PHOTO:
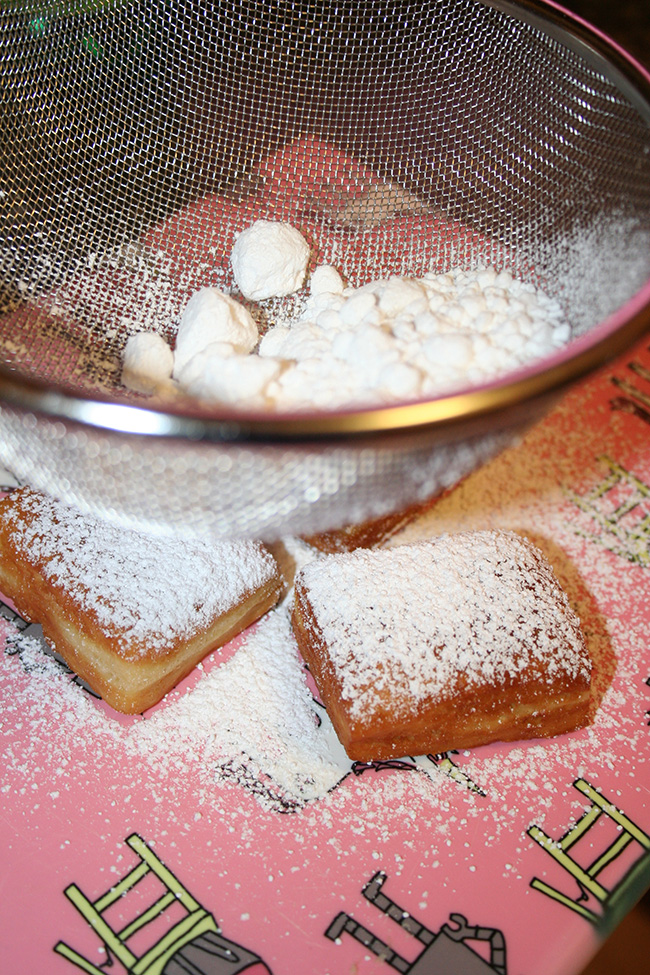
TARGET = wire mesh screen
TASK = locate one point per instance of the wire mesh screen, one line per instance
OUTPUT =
(137, 140)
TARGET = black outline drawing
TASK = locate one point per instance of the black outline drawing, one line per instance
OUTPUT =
(444, 952)
(25, 631)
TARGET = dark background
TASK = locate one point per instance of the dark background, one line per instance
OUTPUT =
(625, 21)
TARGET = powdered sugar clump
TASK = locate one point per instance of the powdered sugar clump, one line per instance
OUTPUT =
(212, 317)
(148, 362)
(391, 340)
(269, 260)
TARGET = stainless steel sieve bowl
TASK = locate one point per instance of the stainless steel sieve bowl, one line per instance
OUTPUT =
(138, 137)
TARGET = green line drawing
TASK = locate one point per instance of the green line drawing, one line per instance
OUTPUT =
(449, 768)
(629, 539)
(193, 944)
(610, 902)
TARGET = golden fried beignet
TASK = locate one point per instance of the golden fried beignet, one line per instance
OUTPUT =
(449, 643)
(367, 534)
(131, 613)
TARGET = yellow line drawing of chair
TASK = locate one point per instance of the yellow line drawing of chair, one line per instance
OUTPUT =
(632, 540)
(633, 881)
(195, 923)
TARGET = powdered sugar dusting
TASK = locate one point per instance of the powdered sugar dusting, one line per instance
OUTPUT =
(250, 725)
(146, 590)
(251, 720)
(256, 719)
(414, 619)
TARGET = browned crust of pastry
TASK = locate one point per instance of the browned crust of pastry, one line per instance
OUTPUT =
(367, 534)
(128, 685)
(466, 717)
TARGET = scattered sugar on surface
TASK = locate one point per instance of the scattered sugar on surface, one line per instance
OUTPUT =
(255, 716)
(252, 724)
(269, 747)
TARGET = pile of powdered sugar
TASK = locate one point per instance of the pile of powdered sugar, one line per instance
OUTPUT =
(480, 606)
(392, 339)
(146, 590)
(256, 718)
(402, 338)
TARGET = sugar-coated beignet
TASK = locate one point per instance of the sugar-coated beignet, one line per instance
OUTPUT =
(449, 643)
(131, 613)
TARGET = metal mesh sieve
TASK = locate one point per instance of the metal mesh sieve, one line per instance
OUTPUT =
(137, 139)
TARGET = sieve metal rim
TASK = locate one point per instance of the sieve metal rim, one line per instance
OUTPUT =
(538, 381)
(584, 38)
(193, 422)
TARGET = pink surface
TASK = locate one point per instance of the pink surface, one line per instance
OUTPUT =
(78, 780)
(315, 186)
(274, 856)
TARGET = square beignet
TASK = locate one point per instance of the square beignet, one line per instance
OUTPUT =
(445, 644)
(130, 613)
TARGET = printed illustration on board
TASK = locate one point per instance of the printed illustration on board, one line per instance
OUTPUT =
(624, 859)
(454, 948)
(189, 940)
